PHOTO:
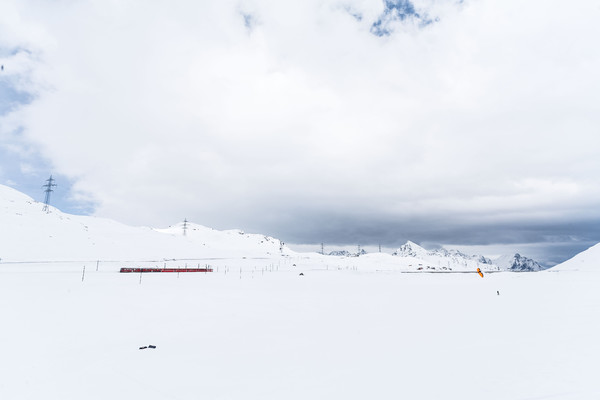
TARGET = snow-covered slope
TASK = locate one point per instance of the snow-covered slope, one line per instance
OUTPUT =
(30, 234)
(588, 260)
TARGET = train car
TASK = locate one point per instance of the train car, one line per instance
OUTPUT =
(146, 270)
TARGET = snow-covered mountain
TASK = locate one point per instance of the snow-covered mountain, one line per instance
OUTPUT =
(340, 253)
(518, 263)
(456, 260)
(346, 253)
(444, 259)
(30, 234)
(588, 260)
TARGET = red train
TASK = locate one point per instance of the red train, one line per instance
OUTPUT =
(207, 269)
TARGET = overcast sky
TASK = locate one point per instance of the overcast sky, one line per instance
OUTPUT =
(473, 124)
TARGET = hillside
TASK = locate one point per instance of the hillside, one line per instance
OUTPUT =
(588, 260)
(30, 234)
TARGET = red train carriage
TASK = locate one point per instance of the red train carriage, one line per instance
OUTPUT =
(127, 269)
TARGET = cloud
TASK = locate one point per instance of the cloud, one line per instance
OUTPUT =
(296, 120)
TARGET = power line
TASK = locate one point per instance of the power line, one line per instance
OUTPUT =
(49, 185)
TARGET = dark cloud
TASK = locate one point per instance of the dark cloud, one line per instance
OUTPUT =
(550, 242)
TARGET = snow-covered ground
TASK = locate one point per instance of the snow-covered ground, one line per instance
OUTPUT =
(348, 328)
(270, 333)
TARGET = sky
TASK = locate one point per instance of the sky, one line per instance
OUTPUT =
(468, 124)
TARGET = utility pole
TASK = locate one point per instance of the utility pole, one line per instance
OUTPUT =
(49, 185)
(185, 221)
(322, 249)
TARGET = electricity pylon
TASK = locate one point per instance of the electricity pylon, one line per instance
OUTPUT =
(49, 185)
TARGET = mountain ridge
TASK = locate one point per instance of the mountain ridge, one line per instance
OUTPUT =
(515, 263)
(32, 234)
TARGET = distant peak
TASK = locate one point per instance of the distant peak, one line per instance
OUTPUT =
(518, 263)
(410, 249)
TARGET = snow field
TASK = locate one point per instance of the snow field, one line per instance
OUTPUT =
(337, 333)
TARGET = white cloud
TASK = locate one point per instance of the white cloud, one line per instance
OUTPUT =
(163, 110)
